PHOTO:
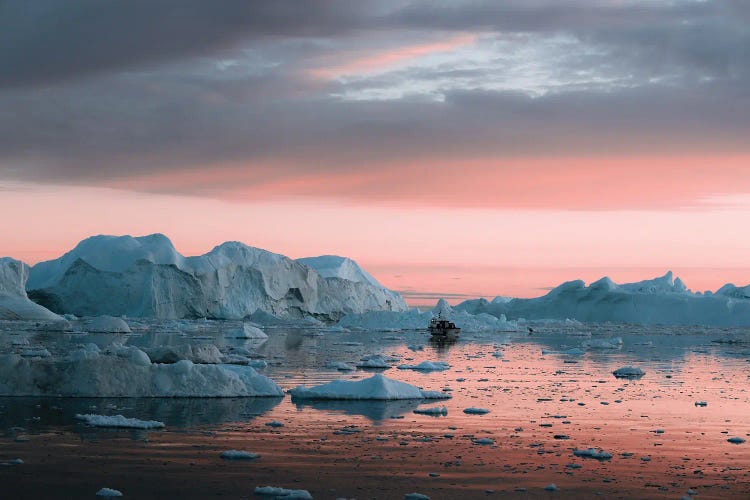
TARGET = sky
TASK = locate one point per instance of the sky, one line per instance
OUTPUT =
(455, 148)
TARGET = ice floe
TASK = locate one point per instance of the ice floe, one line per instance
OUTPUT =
(283, 493)
(377, 387)
(119, 421)
(126, 371)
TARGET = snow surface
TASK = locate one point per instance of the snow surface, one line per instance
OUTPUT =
(126, 371)
(119, 421)
(333, 266)
(377, 387)
(663, 300)
(14, 304)
(146, 277)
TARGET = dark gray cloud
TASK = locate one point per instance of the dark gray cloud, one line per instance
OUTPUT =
(96, 92)
(44, 41)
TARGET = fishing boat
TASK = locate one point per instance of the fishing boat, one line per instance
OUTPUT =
(442, 328)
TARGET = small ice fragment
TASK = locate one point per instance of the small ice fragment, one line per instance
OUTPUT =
(592, 453)
(239, 455)
(119, 421)
(108, 492)
(629, 372)
(416, 496)
(551, 487)
(436, 411)
(736, 440)
(476, 411)
(283, 493)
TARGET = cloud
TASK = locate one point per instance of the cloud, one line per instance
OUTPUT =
(219, 99)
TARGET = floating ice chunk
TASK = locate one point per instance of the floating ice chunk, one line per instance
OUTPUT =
(374, 362)
(484, 441)
(247, 331)
(701, 403)
(613, 343)
(551, 487)
(736, 440)
(283, 493)
(239, 455)
(436, 395)
(427, 366)
(341, 366)
(416, 496)
(89, 373)
(377, 387)
(476, 411)
(598, 454)
(35, 352)
(119, 421)
(435, 411)
(575, 351)
(107, 324)
(199, 353)
(630, 372)
(108, 492)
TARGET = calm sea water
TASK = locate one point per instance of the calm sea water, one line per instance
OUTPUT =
(542, 405)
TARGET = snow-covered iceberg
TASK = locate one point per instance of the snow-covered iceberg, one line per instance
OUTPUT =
(14, 304)
(147, 277)
(664, 300)
(126, 371)
(377, 387)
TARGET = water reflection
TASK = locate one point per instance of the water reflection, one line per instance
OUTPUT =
(372, 410)
(36, 415)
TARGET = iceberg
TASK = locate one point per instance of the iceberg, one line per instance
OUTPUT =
(146, 277)
(126, 371)
(664, 300)
(377, 387)
(14, 303)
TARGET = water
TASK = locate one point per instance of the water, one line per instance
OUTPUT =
(541, 408)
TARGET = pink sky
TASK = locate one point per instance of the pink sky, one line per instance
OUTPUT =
(513, 235)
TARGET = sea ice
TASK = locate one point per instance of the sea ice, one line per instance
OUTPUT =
(377, 387)
(126, 371)
(247, 331)
(476, 411)
(119, 421)
(427, 366)
(107, 324)
(283, 493)
(108, 492)
(592, 453)
(239, 455)
(629, 372)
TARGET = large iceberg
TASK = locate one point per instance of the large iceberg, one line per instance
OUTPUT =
(147, 277)
(664, 300)
(14, 304)
(126, 371)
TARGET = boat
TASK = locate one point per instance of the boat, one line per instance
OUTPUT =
(441, 328)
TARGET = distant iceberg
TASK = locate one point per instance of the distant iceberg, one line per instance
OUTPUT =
(147, 277)
(664, 300)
